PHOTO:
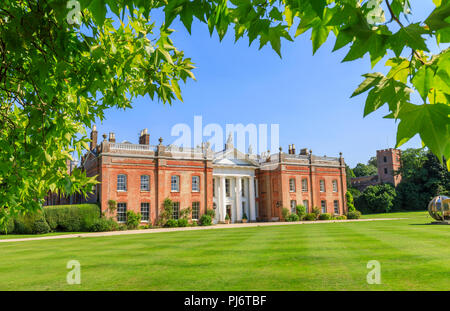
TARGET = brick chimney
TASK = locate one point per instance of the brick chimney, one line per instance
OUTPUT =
(144, 138)
(112, 137)
(293, 149)
(94, 135)
(290, 149)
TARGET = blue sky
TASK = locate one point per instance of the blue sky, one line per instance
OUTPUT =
(308, 96)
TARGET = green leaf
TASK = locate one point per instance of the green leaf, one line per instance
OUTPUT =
(431, 122)
(423, 81)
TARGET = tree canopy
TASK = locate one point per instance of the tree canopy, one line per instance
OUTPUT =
(63, 63)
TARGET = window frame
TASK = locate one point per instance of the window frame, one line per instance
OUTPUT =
(306, 205)
(197, 183)
(177, 179)
(322, 186)
(304, 184)
(335, 185)
(196, 208)
(124, 183)
(148, 183)
(143, 212)
(293, 206)
(336, 206)
(323, 205)
(290, 185)
(121, 215)
(227, 187)
(177, 204)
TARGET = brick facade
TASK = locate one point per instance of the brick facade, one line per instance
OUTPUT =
(271, 173)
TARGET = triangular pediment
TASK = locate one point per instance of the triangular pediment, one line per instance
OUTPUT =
(233, 157)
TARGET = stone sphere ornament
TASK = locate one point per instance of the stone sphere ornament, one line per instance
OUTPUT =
(439, 208)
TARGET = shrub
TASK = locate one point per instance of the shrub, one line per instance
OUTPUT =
(310, 217)
(72, 218)
(354, 215)
(325, 216)
(211, 213)
(293, 217)
(342, 217)
(122, 227)
(301, 211)
(40, 226)
(31, 223)
(316, 211)
(227, 217)
(104, 224)
(183, 222)
(145, 227)
(171, 223)
(133, 220)
(166, 212)
(193, 224)
(205, 220)
(285, 212)
(244, 216)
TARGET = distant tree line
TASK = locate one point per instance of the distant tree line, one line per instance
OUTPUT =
(423, 177)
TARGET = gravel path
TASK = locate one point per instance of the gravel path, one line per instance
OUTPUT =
(219, 226)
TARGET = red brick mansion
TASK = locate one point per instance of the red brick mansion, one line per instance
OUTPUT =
(140, 177)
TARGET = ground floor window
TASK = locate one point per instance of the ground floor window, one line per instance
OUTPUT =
(122, 212)
(305, 204)
(323, 203)
(176, 210)
(293, 206)
(336, 206)
(145, 211)
(195, 210)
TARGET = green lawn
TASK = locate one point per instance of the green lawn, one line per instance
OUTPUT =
(413, 255)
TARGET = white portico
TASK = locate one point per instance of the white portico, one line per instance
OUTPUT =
(234, 185)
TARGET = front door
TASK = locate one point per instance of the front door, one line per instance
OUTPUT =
(229, 211)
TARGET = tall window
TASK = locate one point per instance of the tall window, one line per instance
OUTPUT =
(227, 187)
(122, 212)
(243, 187)
(335, 186)
(195, 183)
(195, 210)
(175, 183)
(176, 210)
(384, 159)
(305, 185)
(243, 209)
(145, 211)
(292, 185)
(385, 170)
(305, 204)
(214, 187)
(336, 206)
(323, 203)
(322, 185)
(293, 206)
(121, 182)
(145, 183)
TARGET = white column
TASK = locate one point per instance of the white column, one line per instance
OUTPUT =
(251, 190)
(222, 208)
(238, 199)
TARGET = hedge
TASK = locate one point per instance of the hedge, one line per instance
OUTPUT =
(72, 218)
(32, 223)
